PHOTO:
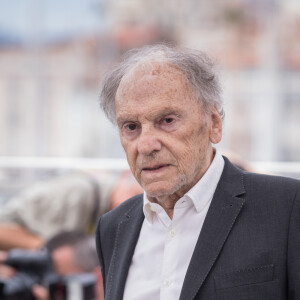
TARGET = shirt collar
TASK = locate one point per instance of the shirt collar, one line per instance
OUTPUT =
(203, 191)
(200, 194)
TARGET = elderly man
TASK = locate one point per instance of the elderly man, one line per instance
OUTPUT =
(203, 229)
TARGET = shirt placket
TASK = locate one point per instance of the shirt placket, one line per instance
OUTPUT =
(167, 278)
(167, 264)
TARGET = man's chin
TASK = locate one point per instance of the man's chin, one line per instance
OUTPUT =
(167, 187)
(159, 191)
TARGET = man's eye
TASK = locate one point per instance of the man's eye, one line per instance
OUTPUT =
(131, 127)
(169, 120)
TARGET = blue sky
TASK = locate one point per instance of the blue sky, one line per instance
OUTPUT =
(50, 18)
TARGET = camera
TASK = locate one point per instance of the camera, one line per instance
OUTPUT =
(36, 267)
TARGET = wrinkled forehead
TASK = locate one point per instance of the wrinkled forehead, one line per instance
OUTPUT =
(153, 74)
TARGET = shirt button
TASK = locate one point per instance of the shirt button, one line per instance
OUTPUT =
(172, 233)
(153, 208)
(167, 282)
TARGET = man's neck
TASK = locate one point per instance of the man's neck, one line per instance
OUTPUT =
(167, 202)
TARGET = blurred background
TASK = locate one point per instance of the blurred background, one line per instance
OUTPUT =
(54, 53)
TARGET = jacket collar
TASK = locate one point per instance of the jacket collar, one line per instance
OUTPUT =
(222, 214)
(128, 231)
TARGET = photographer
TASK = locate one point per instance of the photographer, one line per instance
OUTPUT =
(72, 253)
(72, 201)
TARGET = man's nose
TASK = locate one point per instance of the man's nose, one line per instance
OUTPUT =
(148, 142)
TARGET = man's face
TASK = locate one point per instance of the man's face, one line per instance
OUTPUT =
(164, 131)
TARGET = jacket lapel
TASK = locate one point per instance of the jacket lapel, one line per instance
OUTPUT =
(222, 214)
(128, 231)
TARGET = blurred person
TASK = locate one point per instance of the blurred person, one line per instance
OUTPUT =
(68, 202)
(203, 229)
(72, 252)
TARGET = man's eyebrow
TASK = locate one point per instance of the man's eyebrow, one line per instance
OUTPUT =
(168, 111)
(123, 119)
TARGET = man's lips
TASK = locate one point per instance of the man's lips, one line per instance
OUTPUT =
(155, 168)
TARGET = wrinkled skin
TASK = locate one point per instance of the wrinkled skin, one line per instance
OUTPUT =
(164, 131)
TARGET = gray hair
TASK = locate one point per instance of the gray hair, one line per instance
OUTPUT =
(195, 65)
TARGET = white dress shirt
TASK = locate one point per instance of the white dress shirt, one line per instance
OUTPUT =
(165, 246)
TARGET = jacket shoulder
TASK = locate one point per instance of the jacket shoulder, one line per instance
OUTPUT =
(267, 182)
(261, 188)
(124, 208)
(112, 218)
(276, 193)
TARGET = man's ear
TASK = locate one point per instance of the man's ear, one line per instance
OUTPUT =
(215, 135)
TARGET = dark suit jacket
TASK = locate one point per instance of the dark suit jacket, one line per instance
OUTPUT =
(248, 248)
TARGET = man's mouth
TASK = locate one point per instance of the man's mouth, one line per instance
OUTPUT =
(155, 168)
